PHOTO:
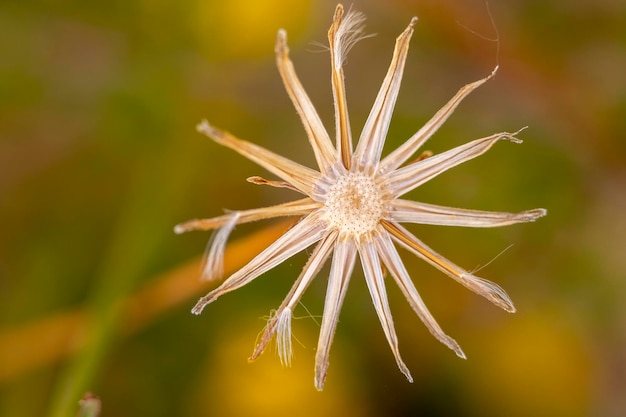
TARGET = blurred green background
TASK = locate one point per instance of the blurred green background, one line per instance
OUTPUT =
(99, 160)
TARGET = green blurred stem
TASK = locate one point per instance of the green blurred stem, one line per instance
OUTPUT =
(143, 223)
(90, 406)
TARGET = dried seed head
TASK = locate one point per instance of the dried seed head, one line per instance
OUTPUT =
(353, 204)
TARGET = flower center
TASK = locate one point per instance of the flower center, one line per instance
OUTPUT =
(353, 204)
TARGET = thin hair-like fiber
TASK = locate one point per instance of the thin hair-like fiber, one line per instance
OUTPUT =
(214, 257)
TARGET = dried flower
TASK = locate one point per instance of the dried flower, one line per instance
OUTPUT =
(352, 204)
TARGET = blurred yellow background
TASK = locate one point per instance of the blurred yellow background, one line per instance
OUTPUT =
(99, 160)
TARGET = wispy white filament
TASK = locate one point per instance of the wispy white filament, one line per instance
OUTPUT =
(350, 31)
(214, 261)
(283, 337)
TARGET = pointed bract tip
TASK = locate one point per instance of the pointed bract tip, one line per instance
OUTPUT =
(281, 47)
(519, 131)
(207, 129)
(454, 346)
(197, 309)
(505, 304)
(258, 349)
(319, 382)
(203, 126)
(538, 213)
(413, 21)
(321, 370)
(532, 215)
(512, 137)
(407, 374)
(281, 38)
(338, 11)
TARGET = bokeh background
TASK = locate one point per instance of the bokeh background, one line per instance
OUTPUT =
(99, 160)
